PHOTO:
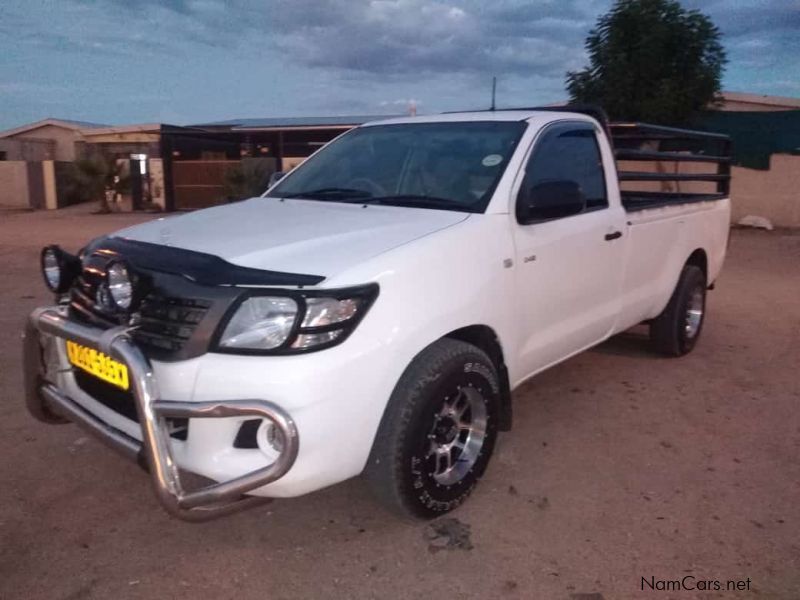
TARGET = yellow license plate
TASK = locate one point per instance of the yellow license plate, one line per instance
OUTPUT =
(98, 364)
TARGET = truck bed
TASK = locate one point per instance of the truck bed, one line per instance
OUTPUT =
(636, 201)
(664, 166)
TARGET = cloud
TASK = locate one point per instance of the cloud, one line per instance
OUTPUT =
(378, 37)
(762, 39)
(422, 37)
(373, 37)
(763, 17)
(220, 57)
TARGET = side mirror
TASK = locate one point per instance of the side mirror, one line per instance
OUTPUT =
(550, 200)
(275, 178)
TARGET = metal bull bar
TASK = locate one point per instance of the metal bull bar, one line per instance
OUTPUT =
(49, 404)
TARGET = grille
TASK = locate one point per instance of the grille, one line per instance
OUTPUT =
(163, 323)
(168, 323)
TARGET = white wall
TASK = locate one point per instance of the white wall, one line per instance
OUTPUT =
(774, 194)
(14, 184)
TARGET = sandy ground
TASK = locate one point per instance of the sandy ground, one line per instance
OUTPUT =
(621, 465)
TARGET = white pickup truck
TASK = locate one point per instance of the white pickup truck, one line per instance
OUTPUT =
(372, 312)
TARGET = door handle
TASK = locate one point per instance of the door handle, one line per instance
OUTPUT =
(613, 236)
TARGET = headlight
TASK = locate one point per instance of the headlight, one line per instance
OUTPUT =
(120, 284)
(59, 268)
(296, 322)
(260, 323)
(325, 311)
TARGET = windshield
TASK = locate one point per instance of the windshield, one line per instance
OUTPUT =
(451, 166)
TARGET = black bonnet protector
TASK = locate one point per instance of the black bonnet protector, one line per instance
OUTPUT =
(202, 268)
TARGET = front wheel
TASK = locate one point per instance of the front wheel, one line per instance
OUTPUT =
(676, 330)
(438, 431)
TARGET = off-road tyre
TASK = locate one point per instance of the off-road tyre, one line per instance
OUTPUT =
(401, 470)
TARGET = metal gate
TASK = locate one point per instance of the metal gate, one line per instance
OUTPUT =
(199, 183)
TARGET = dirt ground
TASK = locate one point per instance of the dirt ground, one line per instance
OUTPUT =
(621, 466)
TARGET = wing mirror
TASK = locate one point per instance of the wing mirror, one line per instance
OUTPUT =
(275, 178)
(549, 200)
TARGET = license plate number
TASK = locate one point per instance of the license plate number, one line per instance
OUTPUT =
(98, 364)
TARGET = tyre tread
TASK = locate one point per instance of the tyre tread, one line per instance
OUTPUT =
(428, 366)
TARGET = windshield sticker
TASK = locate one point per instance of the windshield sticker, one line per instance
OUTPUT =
(492, 160)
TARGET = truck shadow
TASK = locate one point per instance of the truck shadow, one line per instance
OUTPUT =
(634, 343)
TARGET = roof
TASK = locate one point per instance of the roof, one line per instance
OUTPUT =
(64, 123)
(138, 128)
(293, 122)
(774, 101)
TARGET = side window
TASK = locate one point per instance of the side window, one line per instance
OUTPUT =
(568, 152)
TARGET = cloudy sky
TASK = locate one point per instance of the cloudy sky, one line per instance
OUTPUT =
(190, 61)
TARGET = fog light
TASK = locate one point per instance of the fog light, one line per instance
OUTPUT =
(59, 268)
(262, 434)
(51, 268)
(270, 439)
(275, 438)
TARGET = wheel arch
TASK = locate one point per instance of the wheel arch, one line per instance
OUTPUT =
(699, 258)
(485, 338)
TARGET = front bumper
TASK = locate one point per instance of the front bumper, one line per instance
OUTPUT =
(49, 404)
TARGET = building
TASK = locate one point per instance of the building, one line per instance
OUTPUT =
(186, 167)
(199, 157)
(740, 102)
(48, 139)
(290, 139)
(760, 126)
(171, 167)
(765, 131)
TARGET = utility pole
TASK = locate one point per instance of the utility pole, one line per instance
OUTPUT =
(494, 90)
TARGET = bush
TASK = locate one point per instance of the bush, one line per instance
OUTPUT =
(247, 179)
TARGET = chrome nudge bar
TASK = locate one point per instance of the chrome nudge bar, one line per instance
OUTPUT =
(47, 402)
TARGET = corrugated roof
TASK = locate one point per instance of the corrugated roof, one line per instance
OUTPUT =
(83, 124)
(65, 123)
(106, 129)
(290, 122)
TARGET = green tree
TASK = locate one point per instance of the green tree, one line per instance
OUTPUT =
(652, 61)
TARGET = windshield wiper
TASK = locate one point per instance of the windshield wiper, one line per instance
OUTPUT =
(362, 196)
(419, 200)
(331, 192)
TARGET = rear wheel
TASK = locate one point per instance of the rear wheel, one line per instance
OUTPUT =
(438, 431)
(676, 330)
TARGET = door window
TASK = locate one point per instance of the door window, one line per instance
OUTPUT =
(568, 152)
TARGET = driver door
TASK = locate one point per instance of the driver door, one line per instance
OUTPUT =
(569, 268)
